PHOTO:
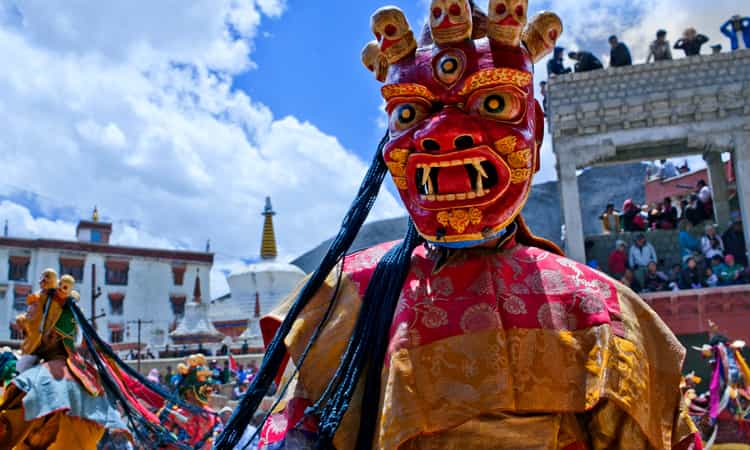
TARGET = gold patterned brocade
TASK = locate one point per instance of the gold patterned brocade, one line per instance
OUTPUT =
(620, 391)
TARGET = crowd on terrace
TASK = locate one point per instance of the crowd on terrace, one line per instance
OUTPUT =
(707, 259)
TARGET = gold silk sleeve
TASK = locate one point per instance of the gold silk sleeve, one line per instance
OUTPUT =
(653, 412)
(324, 356)
(12, 424)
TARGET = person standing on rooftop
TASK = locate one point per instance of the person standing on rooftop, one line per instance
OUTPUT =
(660, 50)
(619, 55)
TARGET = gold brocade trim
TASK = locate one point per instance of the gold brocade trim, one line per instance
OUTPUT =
(397, 166)
(390, 91)
(506, 145)
(520, 159)
(459, 219)
(493, 77)
(519, 175)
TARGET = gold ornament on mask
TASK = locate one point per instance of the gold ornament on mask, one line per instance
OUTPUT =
(459, 219)
(450, 21)
(505, 21)
(393, 34)
(541, 34)
(375, 61)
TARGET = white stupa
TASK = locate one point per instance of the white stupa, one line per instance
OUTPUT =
(195, 327)
(255, 290)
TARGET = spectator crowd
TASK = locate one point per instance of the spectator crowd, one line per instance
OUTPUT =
(707, 259)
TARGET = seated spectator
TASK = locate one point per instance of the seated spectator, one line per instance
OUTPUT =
(619, 54)
(730, 272)
(734, 240)
(667, 216)
(733, 28)
(674, 277)
(610, 220)
(690, 277)
(654, 281)
(555, 65)
(710, 280)
(586, 61)
(689, 246)
(654, 216)
(239, 390)
(659, 50)
(667, 170)
(691, 42)
(631, 217)
(543, 90)
(628, 279)
(618, 260)
(711, 243)
(641, 254)
(705, 199)
(694, 212)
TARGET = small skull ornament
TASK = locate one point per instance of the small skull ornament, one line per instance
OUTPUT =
(66, 286)
(506, 21)
(450, 21)
(391, 30)
(541, 34)
(375, 61)
(48, 279)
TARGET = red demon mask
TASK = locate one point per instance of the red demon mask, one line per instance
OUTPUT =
(465, 129)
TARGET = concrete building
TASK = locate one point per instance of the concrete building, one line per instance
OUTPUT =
(668, 109)
(255, 290)
(128, 283)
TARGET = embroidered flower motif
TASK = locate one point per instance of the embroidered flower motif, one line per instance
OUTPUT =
(547, 282)
(553, 316)
(482, 285)
(434, 317)
(514, 304)
(441, 286)
(590, 302)
(479, 317)
(530, 255)
(277, 423)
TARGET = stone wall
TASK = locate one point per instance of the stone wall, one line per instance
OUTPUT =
(682, 91)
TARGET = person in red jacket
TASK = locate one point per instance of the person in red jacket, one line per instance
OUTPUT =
(618, 260)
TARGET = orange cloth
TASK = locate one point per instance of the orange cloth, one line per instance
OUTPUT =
(56, 431)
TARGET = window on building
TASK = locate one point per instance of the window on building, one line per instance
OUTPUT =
(72, 267)
(20, 292)
(178, 305)
(117, 273)
(96, 236)
(178, 274)
(116, 304)
(18, 268)
(116, 336)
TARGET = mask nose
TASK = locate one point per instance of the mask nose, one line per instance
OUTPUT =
(451, 130)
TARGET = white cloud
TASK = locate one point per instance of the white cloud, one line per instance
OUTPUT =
(129, 106)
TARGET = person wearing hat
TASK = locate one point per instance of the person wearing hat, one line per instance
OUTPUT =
(660, 50)
(610, 220)
(555, 65)
(734, 240)
(735, 27)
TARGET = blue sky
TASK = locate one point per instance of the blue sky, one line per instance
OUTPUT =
(178, 118)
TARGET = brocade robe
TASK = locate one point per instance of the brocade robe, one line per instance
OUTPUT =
(517, 348)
